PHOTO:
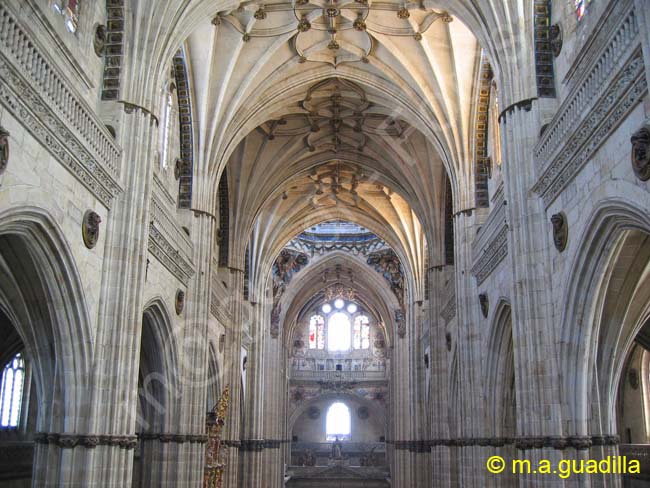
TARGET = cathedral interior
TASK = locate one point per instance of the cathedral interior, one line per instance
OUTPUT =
(324, 243)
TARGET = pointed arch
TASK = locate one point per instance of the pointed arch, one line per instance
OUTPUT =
(500, 372)
(601, 318)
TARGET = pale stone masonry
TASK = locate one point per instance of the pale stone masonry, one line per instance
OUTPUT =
(228, 256)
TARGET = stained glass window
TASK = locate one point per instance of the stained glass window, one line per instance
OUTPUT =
(581, 7)
(338, 422)
(317, 332)
(167, 122)
(11, 392)
(361, 332)
(69, 9)
(338, 332)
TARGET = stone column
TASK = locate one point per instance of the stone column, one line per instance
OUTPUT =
(252, 451)
(438, 405)
(529, 257)
(115, 376)
(233, 377)
(470, 407)
(194, 351)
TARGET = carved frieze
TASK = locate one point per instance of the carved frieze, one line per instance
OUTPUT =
(90, 441)
(168, 255)
(604, 96)
(495, 251)
(522, 443)
(98, 175)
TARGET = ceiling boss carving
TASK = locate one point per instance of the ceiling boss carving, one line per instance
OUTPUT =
(335, 115)
(330, 31)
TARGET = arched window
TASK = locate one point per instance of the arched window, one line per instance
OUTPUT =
(581, 7)
(338, 422)
(338, 332)
(167, 125)
(361, 335)
(317, 332)
(69, 9)
(11, 392)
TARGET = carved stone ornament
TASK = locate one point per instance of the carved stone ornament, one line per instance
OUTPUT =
(99, 41)
(485, 304)
(560, 231)
(90, 228)
(4, 149)
(180, 302)
(222, 342)
(399, 320)
(641, 153)
(180, 168)
(448, 341)
(313, 412)
(556, 39)
(363, 413)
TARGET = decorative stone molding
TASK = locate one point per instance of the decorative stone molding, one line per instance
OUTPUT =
(32, 89)
(167, 240)
(543, 51)
(167, 438)
(168, 255)
(493, 253)
(90, 228)
(557, 39)
(640, 153)
(4, 149)
(257, 444)
(521, 443)
(560, 231)
(448, 311)
(610, 88)
(179, 303)
(525, 105)
(90, 441)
